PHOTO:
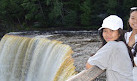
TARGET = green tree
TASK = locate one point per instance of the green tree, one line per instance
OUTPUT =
(23, 14)
(71, 10)
(111, 6)
(86, 13)
(11, 13)
(34, 14)
(55, 13)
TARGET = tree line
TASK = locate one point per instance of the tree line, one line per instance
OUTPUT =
(88, 14)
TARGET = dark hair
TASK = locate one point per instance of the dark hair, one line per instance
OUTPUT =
(121, 38)
(129, 27)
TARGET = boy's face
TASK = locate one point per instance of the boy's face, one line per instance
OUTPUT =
(110, 35)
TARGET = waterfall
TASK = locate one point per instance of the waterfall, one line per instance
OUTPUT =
(34, 59)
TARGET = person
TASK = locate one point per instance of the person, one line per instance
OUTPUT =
(111, 58)
(131, 37)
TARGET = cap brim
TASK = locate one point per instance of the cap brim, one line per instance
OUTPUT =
(107, 27)
(101, 28)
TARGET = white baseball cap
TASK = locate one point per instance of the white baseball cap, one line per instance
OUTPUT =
(112, 22)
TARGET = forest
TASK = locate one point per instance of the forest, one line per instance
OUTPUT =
(24, 15)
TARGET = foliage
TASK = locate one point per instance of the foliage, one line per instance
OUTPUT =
(86, 13)
(112, 6)
(25, 14)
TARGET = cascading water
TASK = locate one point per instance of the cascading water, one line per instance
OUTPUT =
(34, 59)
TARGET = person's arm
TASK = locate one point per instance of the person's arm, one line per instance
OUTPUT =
(131, 41)
(87, 75)
(132, 38)
(88, 65)
(96, 64)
